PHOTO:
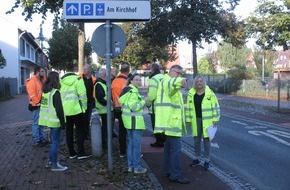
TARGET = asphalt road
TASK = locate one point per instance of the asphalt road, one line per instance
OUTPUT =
(253, 151)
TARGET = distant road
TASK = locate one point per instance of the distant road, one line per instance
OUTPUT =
(253, 151)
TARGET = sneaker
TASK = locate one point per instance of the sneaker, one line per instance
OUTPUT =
(140, 171)
(180, 180)
(194, 162)
(83, 156)
(58, 167)
(130, 169)
(48, 164)
(73, 156)
(36, 144)
(157, 144)
(206, 165)
(44, 142)
(122, 155)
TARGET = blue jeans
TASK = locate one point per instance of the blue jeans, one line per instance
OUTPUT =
(56, 134)
(171, 157)
(37, 131)
(134, 148)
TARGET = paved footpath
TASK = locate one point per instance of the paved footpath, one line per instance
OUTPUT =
(22, 165)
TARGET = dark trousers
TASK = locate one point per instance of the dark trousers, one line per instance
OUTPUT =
(122, 132)
(78, 121)
(104, 129)
(160, 137)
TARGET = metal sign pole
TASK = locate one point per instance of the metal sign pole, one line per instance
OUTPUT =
(109, 94)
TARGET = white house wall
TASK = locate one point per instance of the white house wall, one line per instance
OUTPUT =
(9, 47)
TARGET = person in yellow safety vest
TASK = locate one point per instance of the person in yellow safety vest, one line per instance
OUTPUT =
(202, 111)
(89, 81)
(74, 100)
(154, 80)
(52, 116)
(101, 103)
(170, 120)
(132, 115)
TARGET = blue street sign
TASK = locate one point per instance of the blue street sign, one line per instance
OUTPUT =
(99, 11)
(87, 9)
(72, 9)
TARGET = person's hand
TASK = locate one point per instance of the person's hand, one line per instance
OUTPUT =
(184, 83)
(148, 103)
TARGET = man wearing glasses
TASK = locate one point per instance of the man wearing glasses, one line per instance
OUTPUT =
(170, 120)
(34, 91)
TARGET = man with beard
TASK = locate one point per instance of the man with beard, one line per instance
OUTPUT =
(34, 91)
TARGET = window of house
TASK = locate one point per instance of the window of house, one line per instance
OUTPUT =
(27, 51)
(22, 47)
(32, 54)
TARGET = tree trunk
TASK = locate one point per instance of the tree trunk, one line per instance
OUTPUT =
(81, 43)
(194, 58)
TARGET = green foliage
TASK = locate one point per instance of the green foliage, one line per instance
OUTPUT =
(2, 60)
(31, 7)
(270, 56)
(270, 25)
(63, 45)
(204, 66)
(140, 51)
(238, 72)
(229, 55)
(193, 20)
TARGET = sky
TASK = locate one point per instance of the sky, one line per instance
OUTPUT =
(243, 10)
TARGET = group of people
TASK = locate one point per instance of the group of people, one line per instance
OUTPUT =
(67, 103)
(168, 116)
(61, 103)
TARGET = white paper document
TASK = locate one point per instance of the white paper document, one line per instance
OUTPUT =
(211, 132)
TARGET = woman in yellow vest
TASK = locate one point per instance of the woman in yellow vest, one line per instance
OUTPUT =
(132, 116)
(202, 112)
(52, 115)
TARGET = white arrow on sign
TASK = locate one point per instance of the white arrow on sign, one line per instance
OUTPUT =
(72, 9)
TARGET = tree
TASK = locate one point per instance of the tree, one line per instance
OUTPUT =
(63, 46)
(2, 60)
(204, 66)
(270, 25)
(269, 57)
(139, 51)
(229, 56)
(193, 20)
(31, 7)
(239, 72)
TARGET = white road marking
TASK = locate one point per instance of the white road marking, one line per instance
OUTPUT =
(259, 133)
(238, 122)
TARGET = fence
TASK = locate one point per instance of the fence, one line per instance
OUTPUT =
(8, 87)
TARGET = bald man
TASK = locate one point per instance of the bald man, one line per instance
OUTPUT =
(89, 81)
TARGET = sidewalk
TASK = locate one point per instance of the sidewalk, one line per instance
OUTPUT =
(22, 165)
